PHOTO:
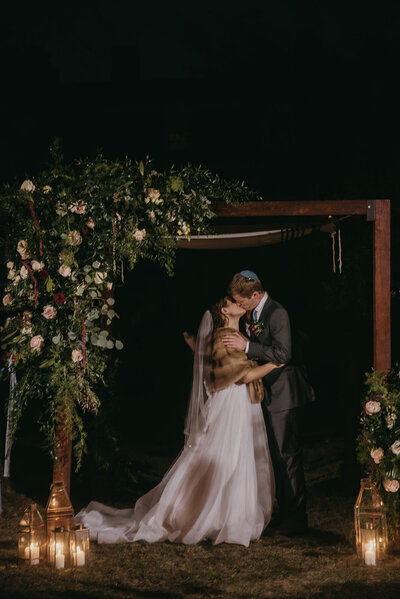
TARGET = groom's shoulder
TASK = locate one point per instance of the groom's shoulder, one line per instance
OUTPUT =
(275, 305)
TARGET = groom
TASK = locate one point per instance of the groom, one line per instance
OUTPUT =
(286, 389)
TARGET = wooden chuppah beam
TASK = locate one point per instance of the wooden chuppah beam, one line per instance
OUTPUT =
(306, 208)
(382, 295)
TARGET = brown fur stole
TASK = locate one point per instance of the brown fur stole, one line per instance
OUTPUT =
(229, 366)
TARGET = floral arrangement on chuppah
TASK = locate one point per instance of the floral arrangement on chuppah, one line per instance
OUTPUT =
(67, 233)
(379, 440)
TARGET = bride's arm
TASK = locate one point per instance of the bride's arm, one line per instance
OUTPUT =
(259, 371)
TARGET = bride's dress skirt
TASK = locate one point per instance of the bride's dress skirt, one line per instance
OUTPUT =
(221, 489)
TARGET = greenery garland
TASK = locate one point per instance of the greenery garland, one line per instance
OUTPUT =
(66, 235)
(378, 447)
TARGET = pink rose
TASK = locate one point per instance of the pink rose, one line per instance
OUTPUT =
(22, 248)
(7, 300)
(139, 234)
(377, 454)
(153, 194)
(78, 207)
(372, 407)
(49, 312)
(77, 355)
(391, 485)
(36, 342)
(74, 238)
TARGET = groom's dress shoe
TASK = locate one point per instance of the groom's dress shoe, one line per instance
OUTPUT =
(290, 527)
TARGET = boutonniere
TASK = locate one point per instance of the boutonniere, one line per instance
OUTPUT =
(256, 327)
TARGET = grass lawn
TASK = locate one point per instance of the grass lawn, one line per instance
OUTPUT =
(322, 563)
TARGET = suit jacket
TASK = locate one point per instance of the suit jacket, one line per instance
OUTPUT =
(288, 387)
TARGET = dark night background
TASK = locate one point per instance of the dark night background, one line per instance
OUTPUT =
(299, 99)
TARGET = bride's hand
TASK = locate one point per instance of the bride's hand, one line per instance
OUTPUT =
(190, 340)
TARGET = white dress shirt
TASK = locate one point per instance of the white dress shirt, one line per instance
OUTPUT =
(257, 313)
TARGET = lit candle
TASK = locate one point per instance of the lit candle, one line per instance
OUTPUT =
(32, 554)
(80, 557)
(60, 557)
(370, 554)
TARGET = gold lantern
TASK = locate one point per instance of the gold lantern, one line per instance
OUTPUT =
(59, 548)
(59, 510)
(370, 524)
(31, 536)
(79, 545)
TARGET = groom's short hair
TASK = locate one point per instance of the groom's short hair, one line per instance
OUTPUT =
(244, 286)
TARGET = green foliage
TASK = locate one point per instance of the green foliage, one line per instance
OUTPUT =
(378, 449)
(66, 236)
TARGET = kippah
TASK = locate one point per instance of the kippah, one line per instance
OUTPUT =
(249, 274)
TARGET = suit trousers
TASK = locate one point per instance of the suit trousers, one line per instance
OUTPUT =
(286, 454)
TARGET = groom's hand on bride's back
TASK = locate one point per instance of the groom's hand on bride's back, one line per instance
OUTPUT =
(235, 341)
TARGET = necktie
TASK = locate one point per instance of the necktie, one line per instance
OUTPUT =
(254, 316)
(253, 320)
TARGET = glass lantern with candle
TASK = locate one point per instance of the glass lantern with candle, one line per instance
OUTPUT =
(79, 545)
(59, 510)
(59, 548)
(31, 536)
(370, 524)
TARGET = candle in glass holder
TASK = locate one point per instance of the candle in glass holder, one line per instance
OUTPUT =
(60, 557)
(80, 557)
(32, 553)
(370, 554)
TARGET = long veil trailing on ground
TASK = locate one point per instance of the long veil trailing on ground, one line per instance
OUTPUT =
(197, 409)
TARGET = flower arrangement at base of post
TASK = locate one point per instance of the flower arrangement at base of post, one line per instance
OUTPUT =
(379, 440)
(66, 235)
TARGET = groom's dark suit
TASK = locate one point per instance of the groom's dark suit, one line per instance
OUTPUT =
(286, 389)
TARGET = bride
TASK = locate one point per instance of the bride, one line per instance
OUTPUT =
(221, 486)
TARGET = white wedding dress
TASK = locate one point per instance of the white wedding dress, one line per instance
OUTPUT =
(220, 488)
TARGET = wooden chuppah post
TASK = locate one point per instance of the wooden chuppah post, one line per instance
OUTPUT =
(382, 295)
(63, 457)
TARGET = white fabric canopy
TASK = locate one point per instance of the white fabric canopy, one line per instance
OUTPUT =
(228, 241)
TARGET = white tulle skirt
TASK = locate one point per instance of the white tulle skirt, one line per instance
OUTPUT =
(221, 489)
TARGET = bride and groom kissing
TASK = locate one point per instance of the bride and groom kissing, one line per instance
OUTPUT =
(242, 455)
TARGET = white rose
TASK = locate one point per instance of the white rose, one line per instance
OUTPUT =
(16, 280)
(11, 274)
(37, 265)
(47, 189)
(61, 209)
(395, 447)
(27, 185)
(74, 238)
(152, 215)
(24, 272)
(390, 420)
(27, 330)
(10, 265)
(99, 277)
(96, 264)
(65, 270)
(90, 223)
(153, 194)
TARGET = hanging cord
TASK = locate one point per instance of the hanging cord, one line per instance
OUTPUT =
(340, 251)
(333, 234)
(339, 258)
